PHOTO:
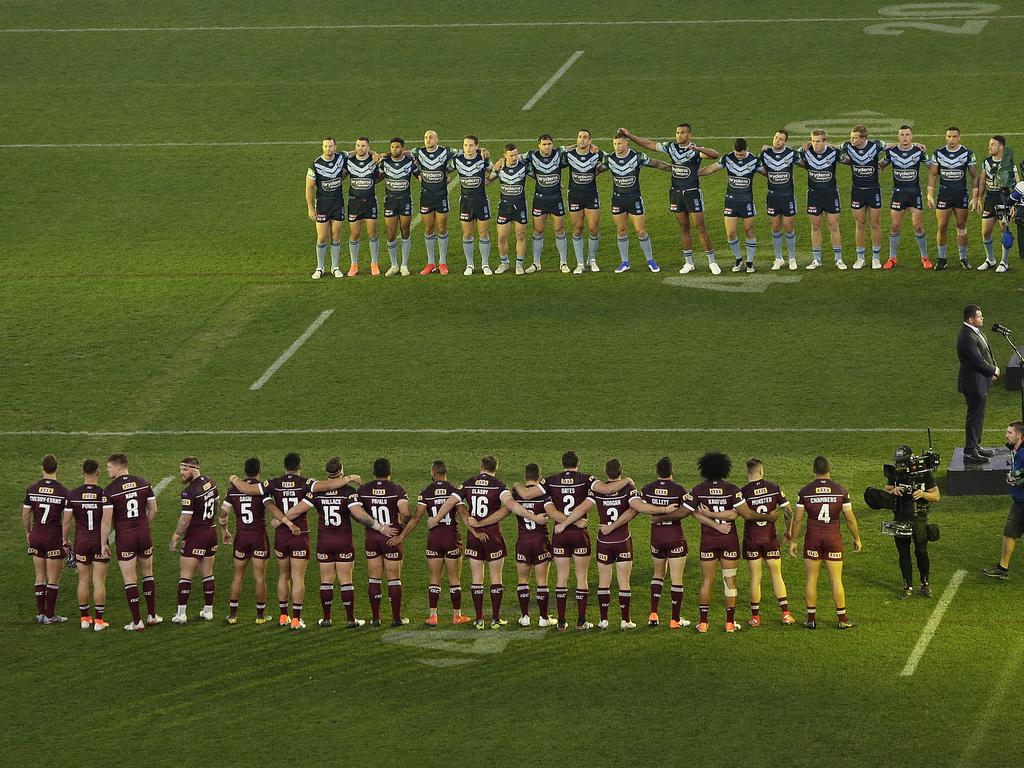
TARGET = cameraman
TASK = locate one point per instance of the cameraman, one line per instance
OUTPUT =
(1014, 527)
(914, 493)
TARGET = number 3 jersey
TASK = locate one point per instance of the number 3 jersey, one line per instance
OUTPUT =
(199, 501)
(719, 496)
(823, 501)
(611, 505)
(129, 496)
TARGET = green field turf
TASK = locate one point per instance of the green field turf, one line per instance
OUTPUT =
(147, 287)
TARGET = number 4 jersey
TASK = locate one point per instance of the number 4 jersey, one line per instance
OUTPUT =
(823, 500)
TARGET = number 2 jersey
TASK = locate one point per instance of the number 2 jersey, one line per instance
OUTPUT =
(568, 489)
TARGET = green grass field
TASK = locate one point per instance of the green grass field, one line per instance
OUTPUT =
(157, 255)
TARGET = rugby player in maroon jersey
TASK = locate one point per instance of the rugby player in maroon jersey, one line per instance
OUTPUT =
(668, 541)
(477, 498)
(133, 506)
(533, 550)
(387, 505)
(444, 545)
(822, 500)
(197, 525)
(760, 539)
(250, 541)
(571, 545)
(292, 550)
(618, 502)
(43, 515)
(716, 503)
(92, 553)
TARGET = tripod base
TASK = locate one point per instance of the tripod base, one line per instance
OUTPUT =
(988, 479)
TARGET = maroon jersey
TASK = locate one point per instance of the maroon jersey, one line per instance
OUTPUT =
(763, 497)
(199, 502)
(86, 503)
(288, 490)
(568, 489)
(250, 513)
(379, 499)
(611, 506)
(47, 500)
(129, 496)
(482, 495)
(434, 496)
(663, 493)
(823, 501)
(527, 528)
(719, 496)
(334, 522)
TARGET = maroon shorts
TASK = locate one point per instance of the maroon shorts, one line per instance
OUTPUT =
(134, 542)
(668, 542)
(614, 551)
(42, 542)
(252, 544)
(443, 542)
(377, 545)
(291, 545)
(533, 551)
(762, 546)
(335, 549)
(200, 544)
(492, 549)
(572, 542)
(823, 545)
(89, 551)
(720, 547)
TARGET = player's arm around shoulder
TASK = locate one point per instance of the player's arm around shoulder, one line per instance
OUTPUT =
(707, 170)
(645, 143)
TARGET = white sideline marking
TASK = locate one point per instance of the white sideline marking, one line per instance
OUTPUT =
(999, 692)
(552, 80)
(482, 24)
(469, 431)
(314, 142)
(161, 485)
(291, 350)
(933, 623)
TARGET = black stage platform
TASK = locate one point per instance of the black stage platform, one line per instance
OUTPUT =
(1013, 372)
(978, 479)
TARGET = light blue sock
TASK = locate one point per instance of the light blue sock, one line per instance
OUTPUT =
(374, 249)
(791, 244)
(816, 254)
(560, 246)
(645, 247)
(876, 253)
(777, 245)
(734, 246)
(538, 247)
(353, 251)
(485, 251)
(577, 249)
(623, 242)
(988, 251)
(1006, 256)
(837, 251)
(321, 255)
(467, 250)
(860, 253)
(592, 244)
(442, 247)
(922, 244)
(430, 241)
(751, 250)
(942, 253)
(688, 257)
(711, 256)
(335, 255)
(894, 244)
(962, 250)
(393, 252)
(406, 247)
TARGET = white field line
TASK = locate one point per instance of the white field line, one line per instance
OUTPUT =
(469, 431)
(159, 487)
(291, 350)
(933, 623)
(994, 706)
(552, 80)
(501, 24)
(315, 142)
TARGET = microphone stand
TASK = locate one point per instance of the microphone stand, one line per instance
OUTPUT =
(1008, 335)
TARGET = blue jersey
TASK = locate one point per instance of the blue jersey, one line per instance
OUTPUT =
(583, 171)
(398, 174)
(685, 161)
(906, 167)
(625, 172)
(863, 162)
(434, 166)
(472, 175)
(821, 169)
(778, 168)
(547, 172)
(953, 165)
(327, 176)
(362, 175)
(740, 185)
(512, 182)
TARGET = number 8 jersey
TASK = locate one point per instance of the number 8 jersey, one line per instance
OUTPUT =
(129, 496)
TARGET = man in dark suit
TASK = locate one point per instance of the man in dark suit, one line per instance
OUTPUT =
(977, 372)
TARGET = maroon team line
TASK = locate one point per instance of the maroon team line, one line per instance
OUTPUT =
(121, 514)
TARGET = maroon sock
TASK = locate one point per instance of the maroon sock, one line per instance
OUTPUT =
(395, 597)
(497, 592)
(542, 601)
(812, 614)
(561, 598)
(581, 605)
(433, 597)
(730, 614)
(51, 599)
(604, 598)
(624, 600)
(83, 611)
(326, 599)
(100, 608)
(282, 607)
(784, 604)
(149, 591)
(184, 590)
(40, 598)
(232, 608)
(704, 609)
(523, 593)
(209, 590)
(456, 595)
(131, 591)
(841, 613)
(376, 595)
(348, 599)
(677, 602)
(656, 586)
(260, 610)
(296, 611)
(755, 609)
(477, 590)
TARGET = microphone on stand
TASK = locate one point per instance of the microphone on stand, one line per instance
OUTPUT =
(1001, 329)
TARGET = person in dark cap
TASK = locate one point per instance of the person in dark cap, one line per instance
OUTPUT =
(911, 507)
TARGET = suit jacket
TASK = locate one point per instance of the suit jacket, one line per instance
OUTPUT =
(977, 367)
